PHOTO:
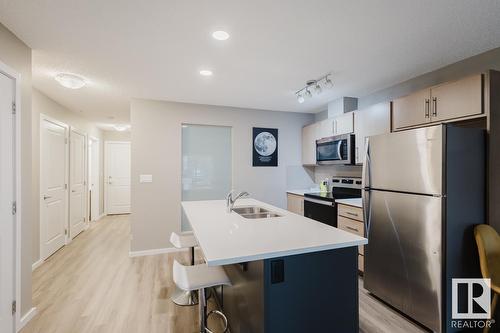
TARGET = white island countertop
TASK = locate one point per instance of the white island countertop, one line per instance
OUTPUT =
(228, 238)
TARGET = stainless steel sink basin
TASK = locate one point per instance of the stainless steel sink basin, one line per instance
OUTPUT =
(254, 212)
(260, 215)
(250, 210)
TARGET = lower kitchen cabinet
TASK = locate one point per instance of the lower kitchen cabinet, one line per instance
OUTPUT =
(295, 203)
(350, 219)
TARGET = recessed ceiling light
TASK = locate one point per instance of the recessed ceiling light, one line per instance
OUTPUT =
(70, 81)
(206, 72)
(220, 35)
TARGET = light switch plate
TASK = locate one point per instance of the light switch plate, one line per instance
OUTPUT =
(145, 178)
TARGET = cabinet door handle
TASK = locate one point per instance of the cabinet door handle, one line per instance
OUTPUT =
(351, 228)
(426, 108)
(352, 214)
(435, 107)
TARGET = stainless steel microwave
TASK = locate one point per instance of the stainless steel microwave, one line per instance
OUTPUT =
(335, 150)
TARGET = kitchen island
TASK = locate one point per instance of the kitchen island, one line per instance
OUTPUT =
(289, 273)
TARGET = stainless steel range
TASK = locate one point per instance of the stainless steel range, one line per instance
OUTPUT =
(320, 206)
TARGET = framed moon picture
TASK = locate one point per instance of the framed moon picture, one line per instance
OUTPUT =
(265, 147)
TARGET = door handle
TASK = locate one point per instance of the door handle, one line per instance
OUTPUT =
(45, 197)
(426, 107)
(435, 107)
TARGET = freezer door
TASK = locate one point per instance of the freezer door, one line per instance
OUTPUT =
(403, 255)
(408, 161)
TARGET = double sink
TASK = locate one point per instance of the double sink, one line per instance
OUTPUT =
(255, 212)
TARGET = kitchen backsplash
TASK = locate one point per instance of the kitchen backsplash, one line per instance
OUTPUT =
(322, 172)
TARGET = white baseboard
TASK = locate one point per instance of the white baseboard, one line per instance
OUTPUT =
(36, 264)
(99, 217)
(153, 252)
(26, 318)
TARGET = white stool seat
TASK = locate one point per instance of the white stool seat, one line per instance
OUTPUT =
(183, 240)
(199, 276)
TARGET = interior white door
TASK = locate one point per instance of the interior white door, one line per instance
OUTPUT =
(53, 185)
(117, 177)
(7, 195)
(94, 180)
(77, 181)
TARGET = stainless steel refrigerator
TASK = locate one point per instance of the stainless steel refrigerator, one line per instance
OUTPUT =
(423, 191)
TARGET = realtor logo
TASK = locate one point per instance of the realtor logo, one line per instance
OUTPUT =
(471, 298)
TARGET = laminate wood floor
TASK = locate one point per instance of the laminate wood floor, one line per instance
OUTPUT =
(93, 286)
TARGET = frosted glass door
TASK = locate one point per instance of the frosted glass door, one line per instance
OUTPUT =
(206, 163)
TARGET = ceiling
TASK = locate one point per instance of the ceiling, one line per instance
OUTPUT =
(155, 49)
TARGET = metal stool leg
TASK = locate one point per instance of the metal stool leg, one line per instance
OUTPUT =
(203, 311)
(204, 316)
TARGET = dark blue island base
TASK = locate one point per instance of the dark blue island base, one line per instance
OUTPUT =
(314, 292)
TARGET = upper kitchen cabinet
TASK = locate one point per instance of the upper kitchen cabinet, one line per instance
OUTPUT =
(343, 124)
(445, 102)
(309, 136)
(325, 128)
(457, 99)
(370, 121)
(411, 110)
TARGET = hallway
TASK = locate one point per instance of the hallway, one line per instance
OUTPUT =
(92, 285)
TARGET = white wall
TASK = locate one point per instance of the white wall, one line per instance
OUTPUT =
(116, 135)
(42, 104)
(156, 150)
(17, 55)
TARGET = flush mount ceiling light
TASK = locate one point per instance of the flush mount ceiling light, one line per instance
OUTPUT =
(70, 81)
(316, 85)
(121, 128)
(220, 35)
(206, 72)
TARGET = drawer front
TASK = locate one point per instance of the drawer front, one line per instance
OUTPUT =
(354, 227)
(361, 263)
(351, 212)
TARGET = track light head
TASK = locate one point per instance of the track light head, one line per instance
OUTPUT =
(300, 98)
(318, 89)
(308, 93)
(328, 83)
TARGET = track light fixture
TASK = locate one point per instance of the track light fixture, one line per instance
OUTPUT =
(316, 85)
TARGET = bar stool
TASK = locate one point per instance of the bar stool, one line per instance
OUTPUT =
(183, 241)
(488, 245)
(201, 277)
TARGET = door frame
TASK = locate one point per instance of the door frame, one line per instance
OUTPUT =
(106, 171)
(86, 180)
(97, 142)
(66, 180)
(17, 323)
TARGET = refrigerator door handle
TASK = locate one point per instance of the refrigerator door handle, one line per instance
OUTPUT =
(366, 179)
(366, 210)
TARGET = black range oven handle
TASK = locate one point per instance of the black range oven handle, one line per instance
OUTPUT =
(321, 202)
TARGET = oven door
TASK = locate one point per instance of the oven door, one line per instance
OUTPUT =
(321, 211)
(332, 151)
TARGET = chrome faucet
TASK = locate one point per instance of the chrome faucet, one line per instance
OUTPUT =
(230, 200)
